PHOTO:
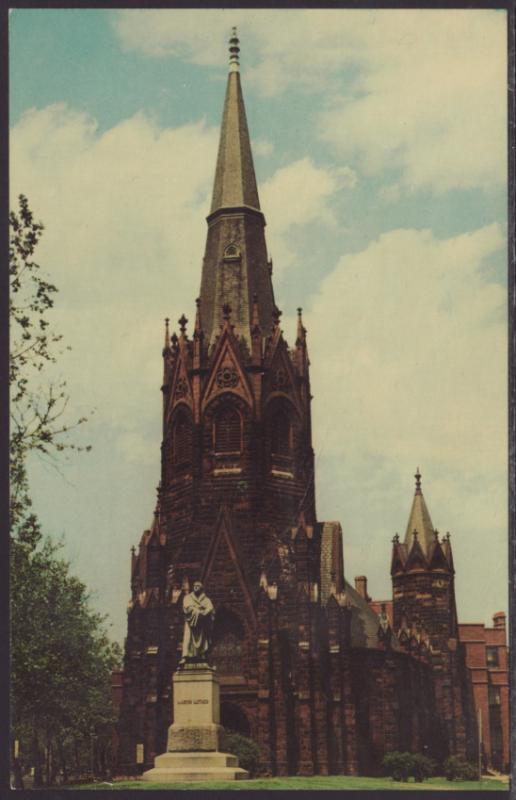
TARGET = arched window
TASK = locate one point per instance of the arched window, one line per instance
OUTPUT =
(228, 640)
(153, 565)
(281, 435)
(228, 431)
(182, 441)
(231, 251)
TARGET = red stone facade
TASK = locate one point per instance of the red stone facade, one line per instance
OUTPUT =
(307, 668)
(487, 663)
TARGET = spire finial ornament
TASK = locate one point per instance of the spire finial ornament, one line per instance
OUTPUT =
(301, 330)
(234, 50)
(182, 323)
(417, 476)
(198, 324)
(167, 333)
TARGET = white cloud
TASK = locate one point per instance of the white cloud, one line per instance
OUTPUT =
(420, 91)
(408, 349)
(299, 194)
(124, 215)
(422, 356)
(124, 218)
(407, 343)
(430, 101)
(262, 147)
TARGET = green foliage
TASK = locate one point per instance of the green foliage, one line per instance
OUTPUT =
(402, 766)
(423, 767)
(456, 769)
(38, 412)
(247, 751)
(61, 657)
(61, 663)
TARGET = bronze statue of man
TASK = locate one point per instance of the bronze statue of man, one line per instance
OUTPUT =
(199, 615)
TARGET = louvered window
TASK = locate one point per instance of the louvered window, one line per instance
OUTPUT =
(281, 435)
(228, 432)
(182, 442)
(153, 566)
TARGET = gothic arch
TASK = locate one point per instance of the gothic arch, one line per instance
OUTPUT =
(282, 431)
(228, 642)
(225, 423)
(182, 437)
(227, 431)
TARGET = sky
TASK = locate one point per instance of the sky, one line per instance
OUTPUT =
(379, 140)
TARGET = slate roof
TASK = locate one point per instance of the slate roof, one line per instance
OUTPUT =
(420, 521)
(364, 621)
(235, 180)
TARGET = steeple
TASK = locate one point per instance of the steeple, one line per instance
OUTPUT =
(235, 181)
(419, 521)
(235, 266)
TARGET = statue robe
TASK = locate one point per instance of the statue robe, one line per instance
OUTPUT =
(199, 614)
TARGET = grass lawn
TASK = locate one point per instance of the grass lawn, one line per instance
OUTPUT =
(339, 782)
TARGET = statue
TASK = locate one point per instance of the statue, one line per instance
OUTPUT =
(199, 615)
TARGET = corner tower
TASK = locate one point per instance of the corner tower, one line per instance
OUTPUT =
(424, 608)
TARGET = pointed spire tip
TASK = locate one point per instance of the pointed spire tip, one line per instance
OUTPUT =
(234, 50)
(417, 476)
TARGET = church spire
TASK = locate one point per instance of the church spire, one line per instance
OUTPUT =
(235, 264)
(235, 181)
(419, 521)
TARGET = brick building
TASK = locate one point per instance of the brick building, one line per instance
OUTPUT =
(487, 663)
(307, 666)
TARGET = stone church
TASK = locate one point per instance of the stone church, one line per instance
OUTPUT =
(321, 677)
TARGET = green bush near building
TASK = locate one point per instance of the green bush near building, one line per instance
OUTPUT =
(456, 769)
(246, 750)
(402, 766)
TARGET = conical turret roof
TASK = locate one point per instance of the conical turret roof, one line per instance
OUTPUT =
(235, 181)
(419, 520)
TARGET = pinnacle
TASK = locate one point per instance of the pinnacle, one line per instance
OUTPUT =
(419, 527)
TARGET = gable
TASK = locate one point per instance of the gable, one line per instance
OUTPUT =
(223, 565)
(226, 374)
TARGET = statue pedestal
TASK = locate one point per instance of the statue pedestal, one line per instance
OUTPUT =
(194, 737)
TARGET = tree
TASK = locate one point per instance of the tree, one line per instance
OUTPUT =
(38, 413)
(61, 657)
(61, 663)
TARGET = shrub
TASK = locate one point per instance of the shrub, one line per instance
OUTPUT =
(456, 769)
(398, 765)
(245, 749)
(402, 766)
(422, 767)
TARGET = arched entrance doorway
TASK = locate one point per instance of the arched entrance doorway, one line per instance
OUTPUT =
(233, 719)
